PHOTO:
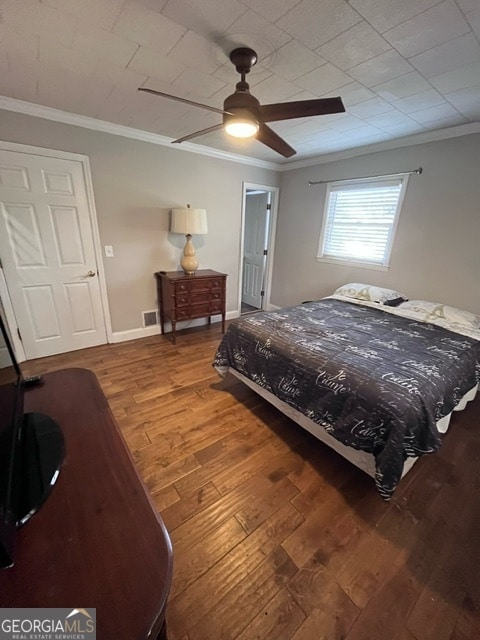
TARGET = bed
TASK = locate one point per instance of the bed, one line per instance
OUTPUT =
(377, 383)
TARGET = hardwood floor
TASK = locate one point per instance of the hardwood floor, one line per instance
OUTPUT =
(275, 536)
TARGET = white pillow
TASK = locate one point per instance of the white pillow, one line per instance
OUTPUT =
(435, 311)
(368, 292)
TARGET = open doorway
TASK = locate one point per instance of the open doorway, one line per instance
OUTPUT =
(258, 224)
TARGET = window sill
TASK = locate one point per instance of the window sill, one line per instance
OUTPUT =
(354, 263)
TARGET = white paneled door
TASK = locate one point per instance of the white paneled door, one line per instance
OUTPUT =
(254, 248)
(48, 253)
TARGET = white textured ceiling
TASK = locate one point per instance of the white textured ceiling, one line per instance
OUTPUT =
(401, 66)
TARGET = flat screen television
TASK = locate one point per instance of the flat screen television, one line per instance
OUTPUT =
(31, 451)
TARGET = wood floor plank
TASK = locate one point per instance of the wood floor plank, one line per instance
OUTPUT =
(314, 586)
(136, 438)
(165, 497)
(433, 617)
(191, 562)
(188, 440)
(225, 456)
(157, 475)
(254, 513)
(466, 627)
(387, 610)
(222, 577)
(255, 591)
(203, 523)
(272, 458)
(189, 505)
(324, 511)
(372, 563)
(279, 619)
(404, 634)
(248, 463)
(332, 617)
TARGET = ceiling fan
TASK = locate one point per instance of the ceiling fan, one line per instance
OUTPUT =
(244, 116)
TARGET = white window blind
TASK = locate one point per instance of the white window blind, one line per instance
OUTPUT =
(360, 220)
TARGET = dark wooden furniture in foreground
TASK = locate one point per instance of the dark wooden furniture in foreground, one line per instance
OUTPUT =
(98, 540)
(183, 297)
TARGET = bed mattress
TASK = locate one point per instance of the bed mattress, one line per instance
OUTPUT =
(374, 381)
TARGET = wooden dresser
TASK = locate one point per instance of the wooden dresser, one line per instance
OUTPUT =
(185, 297)
(98, 540)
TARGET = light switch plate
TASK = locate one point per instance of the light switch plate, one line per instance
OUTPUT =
(108, 251)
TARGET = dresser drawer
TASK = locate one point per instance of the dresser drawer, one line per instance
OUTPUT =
(200, 285)
(180, 287)
(216, 306)
(216, 284)
(204, 296)
(181, 313)
(199, 310)
(182, 300)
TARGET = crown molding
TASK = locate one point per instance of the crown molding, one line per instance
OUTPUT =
(64, 117)
(407, 141)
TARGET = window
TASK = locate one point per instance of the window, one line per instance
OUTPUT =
(359, 220)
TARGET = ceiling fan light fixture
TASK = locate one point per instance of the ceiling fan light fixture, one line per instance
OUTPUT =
(244, 116)
(241, 127)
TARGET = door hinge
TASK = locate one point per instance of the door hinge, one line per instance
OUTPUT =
(265, 252)
(262, 293)
(19, 334)
(1, 264)
(269, 207)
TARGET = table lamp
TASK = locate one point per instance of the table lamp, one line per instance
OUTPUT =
(189, 222)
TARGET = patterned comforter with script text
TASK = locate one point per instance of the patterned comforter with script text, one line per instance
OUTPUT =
(375, 381)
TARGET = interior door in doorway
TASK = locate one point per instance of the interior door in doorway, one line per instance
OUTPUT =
(48, 253)
(257, 215)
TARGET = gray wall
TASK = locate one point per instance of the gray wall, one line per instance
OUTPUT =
(135, 186)
(436, 255)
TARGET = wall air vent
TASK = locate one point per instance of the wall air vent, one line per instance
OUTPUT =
(150, 318)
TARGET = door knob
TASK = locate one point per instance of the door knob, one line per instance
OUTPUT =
(90, 274)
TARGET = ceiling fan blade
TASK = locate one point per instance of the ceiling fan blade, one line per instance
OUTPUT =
(184, 100)
(216, 127)
(300, 109)
(274, 141)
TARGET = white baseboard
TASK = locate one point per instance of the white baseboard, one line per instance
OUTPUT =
(154, 330)
(135, 334)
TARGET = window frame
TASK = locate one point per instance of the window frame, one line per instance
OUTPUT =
(353, 261)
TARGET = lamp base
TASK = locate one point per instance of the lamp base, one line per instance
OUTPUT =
(189, 262)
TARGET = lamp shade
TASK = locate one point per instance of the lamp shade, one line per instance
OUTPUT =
(189, 221)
